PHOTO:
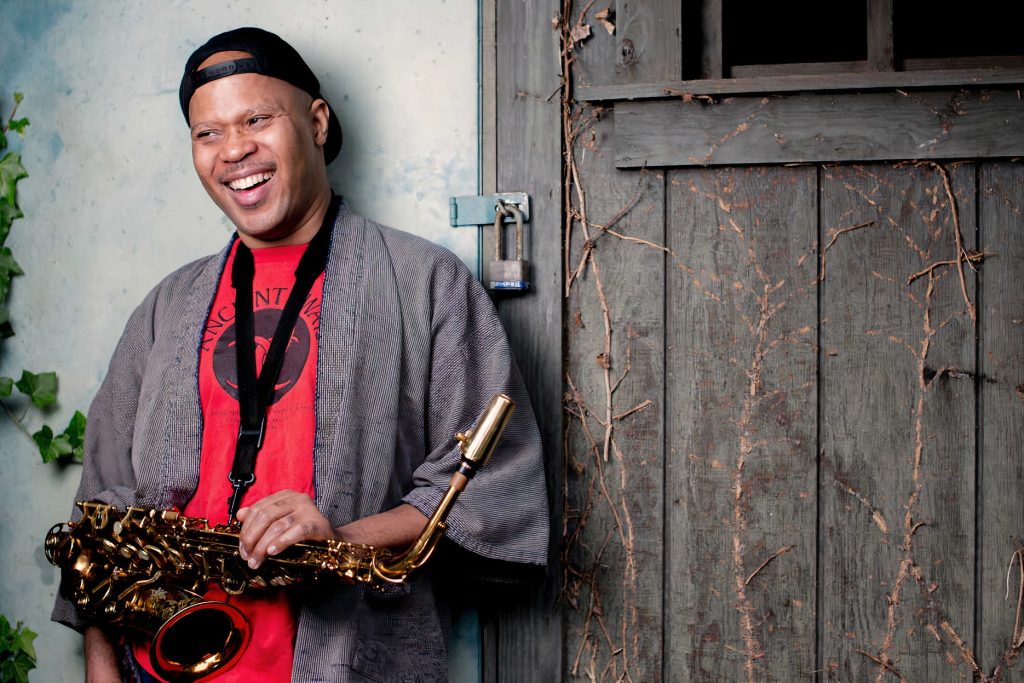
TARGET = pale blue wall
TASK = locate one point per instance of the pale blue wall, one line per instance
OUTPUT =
(112, 203)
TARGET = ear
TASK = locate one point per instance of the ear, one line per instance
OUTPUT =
(319, 115)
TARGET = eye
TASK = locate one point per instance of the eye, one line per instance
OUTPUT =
(255, 121)
(204, 135)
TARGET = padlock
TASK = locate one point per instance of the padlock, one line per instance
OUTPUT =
(514, 275)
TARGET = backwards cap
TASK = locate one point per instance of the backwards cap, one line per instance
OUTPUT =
(271, 56)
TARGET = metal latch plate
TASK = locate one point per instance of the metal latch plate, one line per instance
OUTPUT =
(481, 209)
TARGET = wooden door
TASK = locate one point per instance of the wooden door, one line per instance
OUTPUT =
(785, 438)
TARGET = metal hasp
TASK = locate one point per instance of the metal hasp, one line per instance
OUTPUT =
(480, 209)
(504, 274)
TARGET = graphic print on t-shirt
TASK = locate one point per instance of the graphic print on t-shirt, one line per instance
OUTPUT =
(225, 364)
(219, 336)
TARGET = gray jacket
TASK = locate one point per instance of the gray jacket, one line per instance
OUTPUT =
(410, 350)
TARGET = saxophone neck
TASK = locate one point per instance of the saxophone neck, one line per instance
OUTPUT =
(476, 447)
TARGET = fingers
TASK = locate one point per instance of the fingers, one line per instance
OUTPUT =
(278, 521)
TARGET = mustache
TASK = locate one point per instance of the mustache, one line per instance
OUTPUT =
(244, 168)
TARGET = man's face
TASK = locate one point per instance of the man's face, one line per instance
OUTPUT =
(257, 147)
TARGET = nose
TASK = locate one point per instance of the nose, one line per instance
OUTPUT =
(237, 145)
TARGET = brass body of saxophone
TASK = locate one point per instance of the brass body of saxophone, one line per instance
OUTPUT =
(146, 570)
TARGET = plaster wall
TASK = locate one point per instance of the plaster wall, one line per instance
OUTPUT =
(113, 204)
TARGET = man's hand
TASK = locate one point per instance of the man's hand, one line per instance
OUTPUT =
(280, 520)
(288, 517)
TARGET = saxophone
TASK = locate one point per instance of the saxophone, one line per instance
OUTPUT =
(146, 570)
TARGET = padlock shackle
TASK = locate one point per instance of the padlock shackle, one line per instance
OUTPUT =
(501, 211)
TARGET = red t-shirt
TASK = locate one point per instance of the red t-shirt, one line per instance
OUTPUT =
(284, 462)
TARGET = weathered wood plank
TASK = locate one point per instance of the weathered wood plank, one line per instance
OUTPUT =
(615, 477)
(797, 69)
(805, 128)
(999, 61)
(596, 91)
(880, 39)
(897, 424)
(645, 46)
(488, 97)
(527, 634)
(594, 55)
(741, 424)
(711, 43)
(648, 37)
(1001, 322)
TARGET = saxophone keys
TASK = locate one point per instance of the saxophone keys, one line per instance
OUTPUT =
(99, 519)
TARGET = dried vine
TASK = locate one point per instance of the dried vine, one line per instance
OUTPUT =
(603, 653)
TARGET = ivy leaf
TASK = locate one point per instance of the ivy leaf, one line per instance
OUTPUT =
(8, 269)
(8, 214)
(17, 650)
(11, 171)
(17, 669)
(22, 641)
(66, 447)
(44, 441)
(6, 331)
(60, 445)
(41, 388)
(8, 266)
(75, 433)
(6, 387)
(3, 140)
(18, 126)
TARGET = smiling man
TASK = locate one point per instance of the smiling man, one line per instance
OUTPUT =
(308, 381)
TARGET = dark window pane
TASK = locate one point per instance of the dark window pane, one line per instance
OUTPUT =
(759, 32)
(942, 28)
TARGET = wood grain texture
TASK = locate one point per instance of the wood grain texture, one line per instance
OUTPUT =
(596, 52)
(711, 43)
(741, 422)
(646, 45)
(615, 464)
(880, 35)
(1001, 384)
(758, 71)
(525, 633)
(488, 95)
(805, 128)
(897, 425)
(933, 77)
(648, 38)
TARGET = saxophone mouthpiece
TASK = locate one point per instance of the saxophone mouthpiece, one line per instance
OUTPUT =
(478, 443)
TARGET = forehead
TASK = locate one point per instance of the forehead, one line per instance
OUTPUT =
(235, 95)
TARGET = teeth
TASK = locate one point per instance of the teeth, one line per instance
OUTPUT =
(249, 181)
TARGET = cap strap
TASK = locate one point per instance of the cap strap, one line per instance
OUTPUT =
(247, 65)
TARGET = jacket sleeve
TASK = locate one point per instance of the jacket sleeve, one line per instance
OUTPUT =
(503, 513)
(107, 472)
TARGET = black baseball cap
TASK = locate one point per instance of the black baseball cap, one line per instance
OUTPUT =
(271, 56)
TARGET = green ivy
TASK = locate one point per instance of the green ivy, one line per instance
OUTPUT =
(17, 654)
(68, 446)
(39, 388)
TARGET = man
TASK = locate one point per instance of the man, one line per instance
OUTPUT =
(393, 349)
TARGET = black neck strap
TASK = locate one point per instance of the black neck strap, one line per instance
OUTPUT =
(255, 394)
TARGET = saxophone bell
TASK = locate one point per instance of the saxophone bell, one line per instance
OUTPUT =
(202, 639)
